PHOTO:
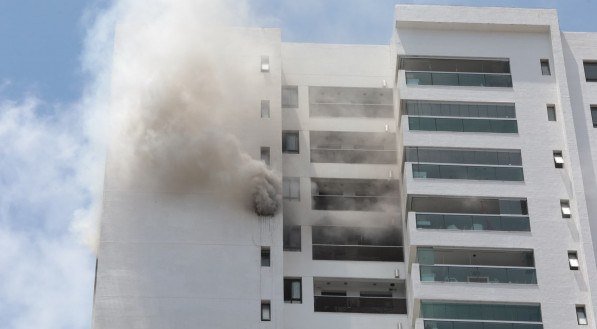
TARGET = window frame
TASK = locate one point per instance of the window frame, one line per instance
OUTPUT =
(593, 109)
(266, 257)
(289, 181)
(265, 155)
(285, 149)
(287, 89)
(545, 67)
(551, 113)
(565, 208)
(573, 261)
(581, 315)
(289, 298)
(265, 67)
(266, 310)
(265, 109)
(558, 159)
(591, 63)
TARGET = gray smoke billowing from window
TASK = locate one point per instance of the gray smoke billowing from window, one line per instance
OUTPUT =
(182, 85)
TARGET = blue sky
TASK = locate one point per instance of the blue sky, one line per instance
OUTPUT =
(50, 160)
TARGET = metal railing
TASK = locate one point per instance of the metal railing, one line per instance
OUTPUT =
(428, 324)
(477, 274)
(473, 222)
(458, 79)
(358, 252)
(379, 305)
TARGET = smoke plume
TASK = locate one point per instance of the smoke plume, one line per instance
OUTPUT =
(182, 80)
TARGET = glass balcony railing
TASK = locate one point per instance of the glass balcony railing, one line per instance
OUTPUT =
(358, 253)
(481, 311)
(463, 125)
(354, 203)
(428, 324)
(458, 79)
(477, 274)
(329, 155)
(467, 172)
(342, 304)
(473, 222)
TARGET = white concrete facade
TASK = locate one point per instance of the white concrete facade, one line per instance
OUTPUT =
(201, 269)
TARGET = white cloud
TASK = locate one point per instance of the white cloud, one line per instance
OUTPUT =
(51, 175)
(46, 273)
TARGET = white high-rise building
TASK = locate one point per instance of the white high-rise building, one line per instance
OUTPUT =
(444, 181)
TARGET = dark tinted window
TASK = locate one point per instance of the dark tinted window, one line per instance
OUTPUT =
(454, 65)
(591, 71)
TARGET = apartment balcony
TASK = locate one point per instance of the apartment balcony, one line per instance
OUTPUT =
(477, 274)
(340, 295)
(377, 305)
(353, 147)
(466, 72)
(359, 253)
(357, 244)
(442, 221)
(337, 194)
(445, 273)
(467, 222)
(459, 180)
(351, 102)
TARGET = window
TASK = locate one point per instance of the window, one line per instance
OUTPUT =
(291, 188)
(565, 205)
(292, 238)
(293, 290)
(545, 67)
(558, 159)
(551, 112)
(264, 63)
(266, 311)
(581, 315)
(289, 96)
(265, 108)
(590, 71)
(594, 115)
(265, 155)
(265, 257)
(290, 142)
(573, 260)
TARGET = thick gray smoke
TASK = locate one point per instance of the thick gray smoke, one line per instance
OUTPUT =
(182, 87)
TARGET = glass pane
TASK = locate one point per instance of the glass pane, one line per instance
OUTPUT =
(472, 80)
(590, 71)
(448, 124)
(289, 96)
(445, 79)
(476, 125)
(498, 80)
(418, 78)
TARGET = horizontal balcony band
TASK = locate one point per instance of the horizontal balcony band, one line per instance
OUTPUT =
(376, 305)
(468, 222)
(358, 253)
(477, 274)
(433, 324)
